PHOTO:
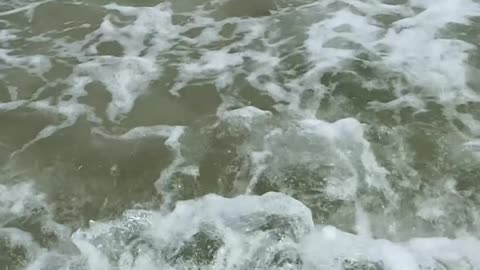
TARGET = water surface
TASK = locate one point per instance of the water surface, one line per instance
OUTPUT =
(229, 134)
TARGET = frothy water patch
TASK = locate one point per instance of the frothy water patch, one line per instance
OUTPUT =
(125, 78)
(405, 54)
(272, 231)
(337, 134)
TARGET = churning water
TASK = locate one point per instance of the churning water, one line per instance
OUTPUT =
(240, 134)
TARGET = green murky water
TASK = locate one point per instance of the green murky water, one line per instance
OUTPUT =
(350, 129)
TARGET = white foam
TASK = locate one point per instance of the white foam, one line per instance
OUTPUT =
(326, 57)
(153, 131)
(474, 146)
(207, 36)
(272, 231)
(22, 209)
(259, 161)
(20, 200)
(36, 64)
(245, 116)
(68, 109)
(211, 63)
(13, 92)
(342, 147)
(27, 9)
(18, 239)
(155, 21)
(222, 65)
(441, 67)
(328, 247)
(335, 36)
(179, 164)
(7, 35)
(125, 78)
(12, 105)
(236, 222)
(411, 46)
(150, 33)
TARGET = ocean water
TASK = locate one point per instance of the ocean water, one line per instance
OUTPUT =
(240, 134)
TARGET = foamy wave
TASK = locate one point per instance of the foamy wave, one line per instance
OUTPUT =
(272, 231)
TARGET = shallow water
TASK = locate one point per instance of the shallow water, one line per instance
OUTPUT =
(228, 134)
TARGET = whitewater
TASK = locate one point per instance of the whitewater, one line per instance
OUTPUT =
(240, 134)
